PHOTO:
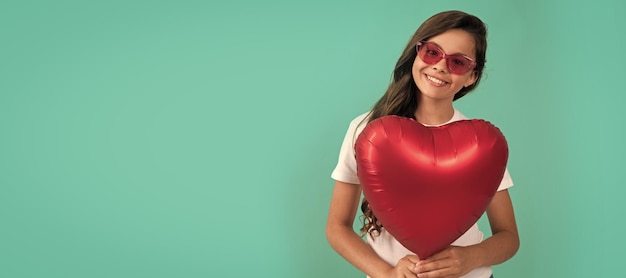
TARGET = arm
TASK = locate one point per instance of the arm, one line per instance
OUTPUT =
(498, 248)
(350, 245)
(504, 242)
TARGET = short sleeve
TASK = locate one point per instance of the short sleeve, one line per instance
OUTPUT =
(345, 171)
(506, 182)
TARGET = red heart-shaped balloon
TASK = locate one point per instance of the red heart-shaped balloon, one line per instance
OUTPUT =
(428, 185)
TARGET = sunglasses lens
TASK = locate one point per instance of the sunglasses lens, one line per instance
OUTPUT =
(458, 64)
(430, 54)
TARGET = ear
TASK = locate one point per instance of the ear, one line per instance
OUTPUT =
(471, 79)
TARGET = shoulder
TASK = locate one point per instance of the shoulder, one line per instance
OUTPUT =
(355, 128)
(360, 119)
(357, 124)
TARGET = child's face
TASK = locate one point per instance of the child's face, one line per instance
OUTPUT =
(435, 81)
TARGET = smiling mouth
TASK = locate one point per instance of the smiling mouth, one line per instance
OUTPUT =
(435, 80)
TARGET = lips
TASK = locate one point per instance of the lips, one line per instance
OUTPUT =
(436, 81)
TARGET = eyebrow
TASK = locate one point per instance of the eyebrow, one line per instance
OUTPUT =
(457, 53)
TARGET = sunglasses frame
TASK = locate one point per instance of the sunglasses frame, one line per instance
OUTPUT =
(447, 57)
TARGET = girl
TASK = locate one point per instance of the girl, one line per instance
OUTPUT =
(443, 61)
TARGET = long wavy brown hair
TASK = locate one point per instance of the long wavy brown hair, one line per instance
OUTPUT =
(401, 97)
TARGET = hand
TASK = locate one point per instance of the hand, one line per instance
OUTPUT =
(405, 268)
(452, 262)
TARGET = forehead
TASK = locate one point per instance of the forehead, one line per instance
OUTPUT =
(456, 41)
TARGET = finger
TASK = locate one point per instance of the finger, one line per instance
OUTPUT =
(440, 255)
(406, 268)
(412, 258)
(439, 273)
(408, 273)
(424, 267)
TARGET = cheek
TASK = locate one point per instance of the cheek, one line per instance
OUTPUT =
(469, 79)
(417, 67)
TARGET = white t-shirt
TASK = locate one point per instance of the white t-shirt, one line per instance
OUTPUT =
(385, 245)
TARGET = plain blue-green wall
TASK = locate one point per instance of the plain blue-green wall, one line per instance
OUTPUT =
(196, 139)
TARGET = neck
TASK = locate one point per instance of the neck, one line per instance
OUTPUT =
(434, 113)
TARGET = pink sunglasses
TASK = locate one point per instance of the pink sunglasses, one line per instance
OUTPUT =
(431, 54)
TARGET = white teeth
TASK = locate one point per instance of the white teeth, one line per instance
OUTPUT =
(441, 82)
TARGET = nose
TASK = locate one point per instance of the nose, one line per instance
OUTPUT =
(441, 66)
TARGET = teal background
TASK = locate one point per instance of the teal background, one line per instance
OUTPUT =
(196, 139)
